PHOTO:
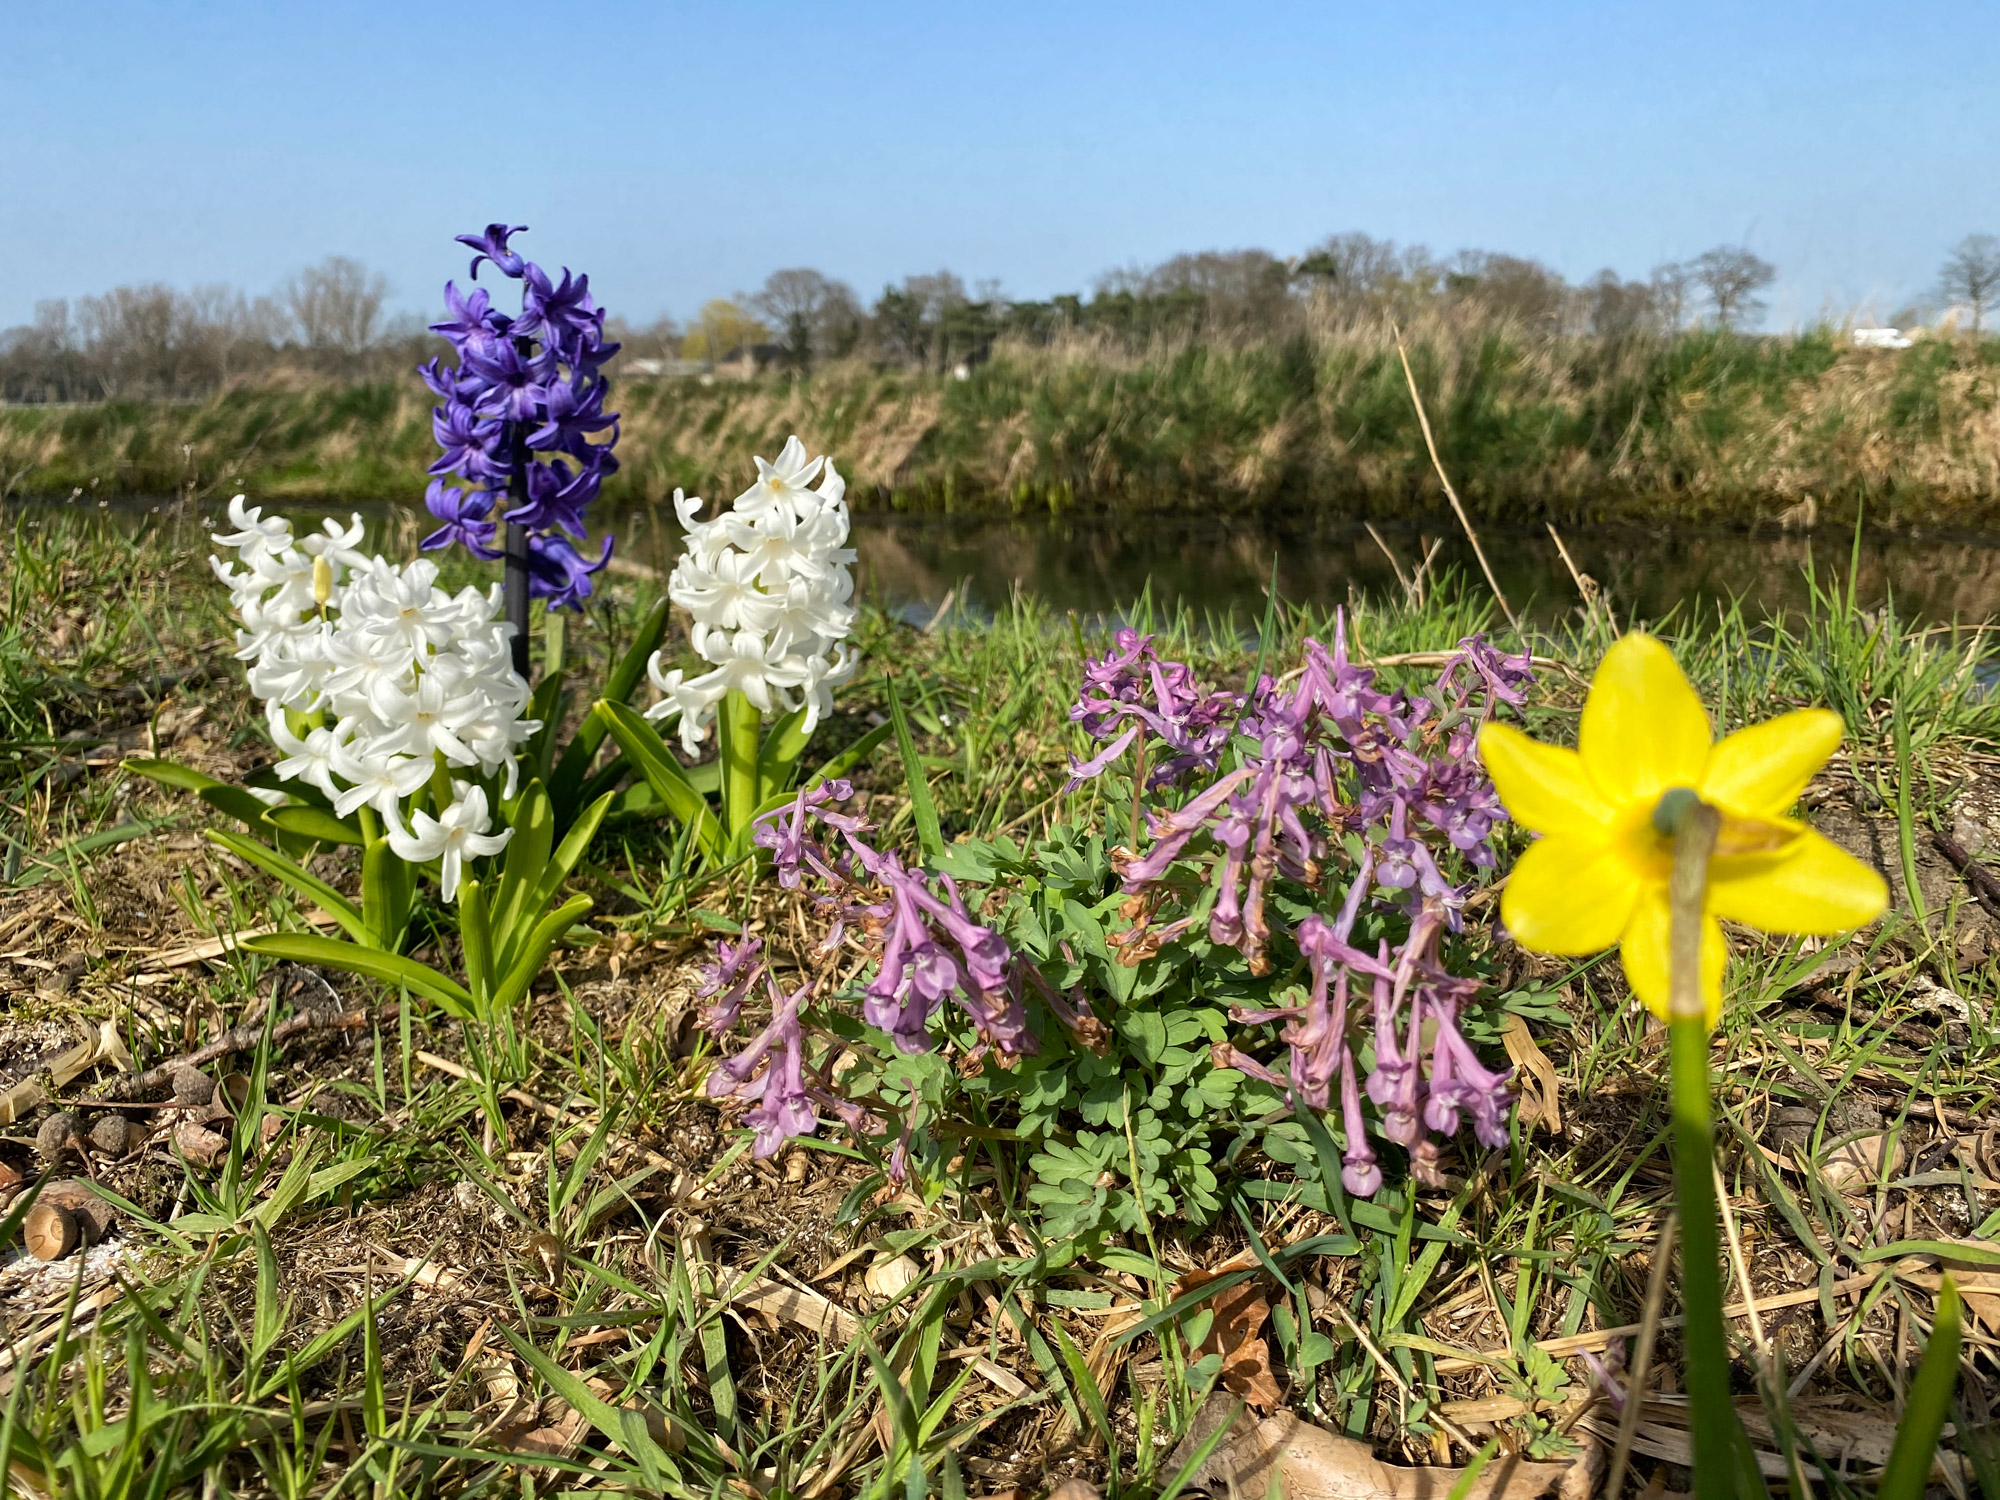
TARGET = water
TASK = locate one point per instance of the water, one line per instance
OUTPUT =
(1097, 564)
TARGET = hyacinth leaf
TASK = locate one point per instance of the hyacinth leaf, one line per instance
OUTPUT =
(549, 705)
(922, 810)
(314, 823)
(782, 748)
(534, 951)
(646, 750)
(571, 784)
(1908, 1473)
(525, 861)
(173, 774)
(389, 968)
(570, 851)
(308, 885)
(388, 889)
(231, 801)
(477, 936)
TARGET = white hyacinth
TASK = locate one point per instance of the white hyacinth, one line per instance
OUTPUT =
(401, 677)
(768, 584)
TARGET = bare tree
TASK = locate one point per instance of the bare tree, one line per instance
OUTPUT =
(1971, 274)
(1670, 282)
(1732, 277)
(336, 305)
(1510, 287)
(134, 336)
(814, 314)
(1616, 308)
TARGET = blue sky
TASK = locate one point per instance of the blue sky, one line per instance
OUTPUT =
(678, 152)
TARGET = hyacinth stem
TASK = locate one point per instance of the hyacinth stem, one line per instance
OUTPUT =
(737, 726)
(514, 588)
(1720, 1446)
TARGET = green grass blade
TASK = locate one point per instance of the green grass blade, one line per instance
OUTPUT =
(922, 810)
(390, 968)
(1908, 1472)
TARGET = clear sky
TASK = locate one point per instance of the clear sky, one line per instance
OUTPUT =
(678, 152)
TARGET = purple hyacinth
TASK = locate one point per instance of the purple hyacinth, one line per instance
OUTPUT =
(1324, 757)
(528, 384)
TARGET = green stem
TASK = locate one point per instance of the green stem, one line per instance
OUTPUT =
(1720, 1446)
(737, 726)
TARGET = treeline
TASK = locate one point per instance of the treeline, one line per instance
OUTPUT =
(801, 317)
(155, 342)
(329, 322)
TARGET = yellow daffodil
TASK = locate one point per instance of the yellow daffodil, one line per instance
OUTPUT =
(1598, 873)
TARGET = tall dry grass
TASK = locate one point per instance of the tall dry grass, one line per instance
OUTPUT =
(1701, 425)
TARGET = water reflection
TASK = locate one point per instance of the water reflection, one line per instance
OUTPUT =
(1095, 564)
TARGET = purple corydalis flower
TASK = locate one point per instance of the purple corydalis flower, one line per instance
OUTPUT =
(1325, 755)
(933, 949)
(728, 981)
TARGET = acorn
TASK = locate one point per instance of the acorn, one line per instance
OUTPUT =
(116, 1136)
(57, 1135)
(192, 1087)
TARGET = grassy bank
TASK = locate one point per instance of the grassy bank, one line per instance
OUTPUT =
(1702, 426)
(402, 1300)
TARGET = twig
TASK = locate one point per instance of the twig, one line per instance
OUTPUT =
(1982, 880)
(1465, 1439)
(1584, 587)
(236, 1039)
(1424, 421)
(1642, 1358)
(1409, 588)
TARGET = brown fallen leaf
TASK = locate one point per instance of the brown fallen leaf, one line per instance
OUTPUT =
(1542, 1105)
(1855, 1166)
(1237, 1332)
(1284, 1456)
(200, 1144)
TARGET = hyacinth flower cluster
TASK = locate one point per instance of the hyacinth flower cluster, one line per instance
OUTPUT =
(1323, 762)
(520, 420)
(391, 698)
(768, 586)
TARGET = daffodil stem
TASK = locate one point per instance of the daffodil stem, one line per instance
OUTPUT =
(1720, 1447)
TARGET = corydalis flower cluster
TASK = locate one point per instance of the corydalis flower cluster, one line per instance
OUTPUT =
(1315, 760)
(375, 680)
(768, 586)
(932, 951)
(526, 394)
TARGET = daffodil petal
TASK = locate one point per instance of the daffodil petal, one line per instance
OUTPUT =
(1760, 770)
(1569, 895)
(1644, 950)
(1813, 885)
(1643, 728)
(1543, 787)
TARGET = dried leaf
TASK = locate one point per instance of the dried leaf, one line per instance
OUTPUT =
(1545, 1105)
(1855, 1166)
(1283, 1455)
(1236, 1333)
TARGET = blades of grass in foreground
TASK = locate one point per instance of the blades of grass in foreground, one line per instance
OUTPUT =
(1908, 1472)
(923, 811)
